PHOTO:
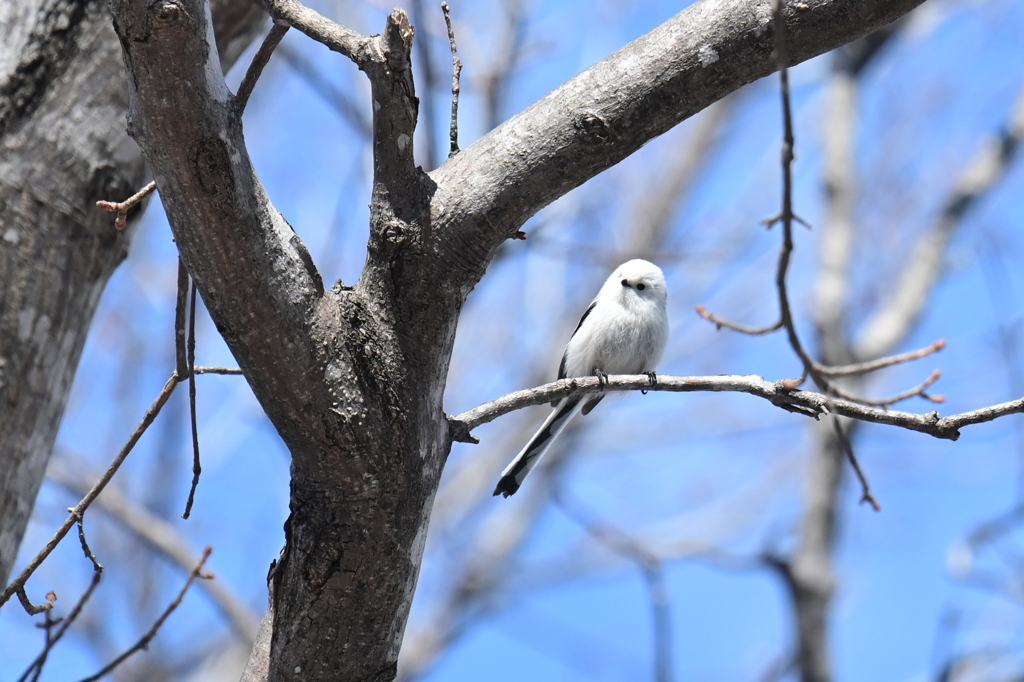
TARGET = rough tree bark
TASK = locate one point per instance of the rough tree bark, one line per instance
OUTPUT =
(62, 148)
(352, 377)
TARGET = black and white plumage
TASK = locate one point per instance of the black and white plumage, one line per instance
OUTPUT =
(624, 331)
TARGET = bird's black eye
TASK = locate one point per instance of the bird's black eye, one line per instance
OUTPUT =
(640, 287)
(625, 282)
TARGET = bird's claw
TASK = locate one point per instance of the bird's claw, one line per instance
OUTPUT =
(602, 378)
(652, 379)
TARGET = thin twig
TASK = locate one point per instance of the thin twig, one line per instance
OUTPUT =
(18, 584)
(96, 565)
(453, 131)
(721, 322)
(918, 391)
(148, 637)
(181, 303)
(786, 216)
(196, 467)
(426, 62)
(122, 208)
(847, 447)
(259, 62)
(164, 537)
(339, 99)
(35, 668)
(31, 608)
(202, 369)
(352, 44)
(872, 365)
(818, 372)
(778, 393)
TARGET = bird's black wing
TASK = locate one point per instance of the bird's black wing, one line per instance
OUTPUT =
(561, 365)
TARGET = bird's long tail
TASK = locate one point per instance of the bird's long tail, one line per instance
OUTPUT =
(513, 475)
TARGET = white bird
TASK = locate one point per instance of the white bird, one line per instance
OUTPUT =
(624, 331)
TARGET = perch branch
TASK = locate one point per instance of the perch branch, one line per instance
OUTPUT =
(808, 403)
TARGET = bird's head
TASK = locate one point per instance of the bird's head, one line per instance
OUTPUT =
(638, 280)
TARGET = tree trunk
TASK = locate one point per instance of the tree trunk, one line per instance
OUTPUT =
(62, 148)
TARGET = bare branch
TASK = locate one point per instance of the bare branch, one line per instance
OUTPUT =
(873, 365)
(148, 637)
(31, 608)
(607, 112)
(354, 45)
(97, 567)
(201, 369)
(453, 132)
(18, 584)
(35, 668)
(844, 441)
(162, 536)
(721, 322)
(259, 62)
(807, 403)
(340, 101)
(832, 283)
(181, 366)
(786, 217)
(196, 466)
(122, 208)
(917, 391)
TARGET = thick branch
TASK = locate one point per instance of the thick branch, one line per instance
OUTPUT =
(244, 257)
(802, 402)
(609, 111)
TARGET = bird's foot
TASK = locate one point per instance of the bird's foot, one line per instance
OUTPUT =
(652, 378)
(602, 378)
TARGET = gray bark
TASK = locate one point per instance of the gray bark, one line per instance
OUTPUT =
(62, 148)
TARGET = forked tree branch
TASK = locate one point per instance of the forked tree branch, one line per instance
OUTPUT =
(610, 110)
